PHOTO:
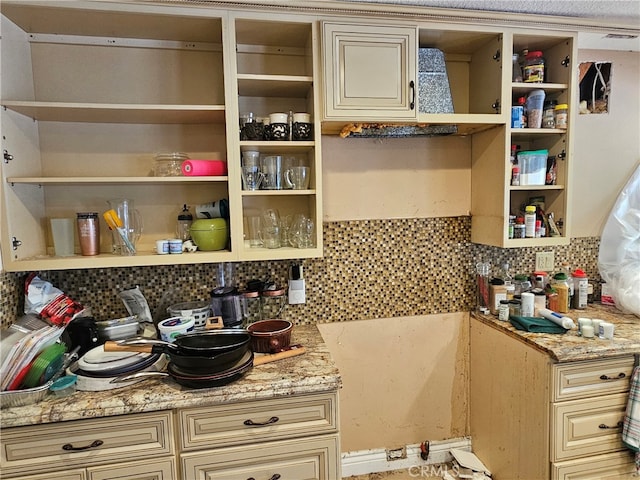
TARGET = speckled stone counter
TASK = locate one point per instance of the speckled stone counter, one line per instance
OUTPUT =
(570, 347)
(312, 372)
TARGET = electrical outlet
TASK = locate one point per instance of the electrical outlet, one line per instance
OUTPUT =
(545, 261)
(397, 454)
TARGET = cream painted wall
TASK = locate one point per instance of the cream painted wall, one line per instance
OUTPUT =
(404, 379)
(395, 178)
(606, 146)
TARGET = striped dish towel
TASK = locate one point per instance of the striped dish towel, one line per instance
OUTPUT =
(631, 424)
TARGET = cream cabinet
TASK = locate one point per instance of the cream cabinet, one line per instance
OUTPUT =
(275, 72)
(292, 437)
(132, 447)
(92, 91)
(369, 71)
(494, 198)
(533, 418)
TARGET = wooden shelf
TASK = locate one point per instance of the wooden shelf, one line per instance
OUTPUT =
(290, 86)
(112, 180)
(118, 113)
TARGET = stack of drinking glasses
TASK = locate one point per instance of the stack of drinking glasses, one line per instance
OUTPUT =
(273, 172)
(270, 230)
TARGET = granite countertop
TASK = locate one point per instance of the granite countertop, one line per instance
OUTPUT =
(570, 347)
(312, 372)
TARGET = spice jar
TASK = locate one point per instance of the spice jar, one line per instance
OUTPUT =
(561, 285)
(518, 229)
(88, 233)
(548, 114)
(533, 71)
(561, 115)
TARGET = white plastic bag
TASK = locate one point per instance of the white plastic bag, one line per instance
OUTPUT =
(619, 255)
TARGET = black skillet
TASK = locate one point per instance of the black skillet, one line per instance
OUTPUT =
(197, 364)
(189, 380)
(200, 343)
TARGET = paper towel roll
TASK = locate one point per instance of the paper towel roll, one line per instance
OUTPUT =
(204, 167)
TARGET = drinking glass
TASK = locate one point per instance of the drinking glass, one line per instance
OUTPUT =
(271, 228)
(252, 177)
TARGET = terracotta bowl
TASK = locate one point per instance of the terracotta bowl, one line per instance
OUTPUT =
(269, 336)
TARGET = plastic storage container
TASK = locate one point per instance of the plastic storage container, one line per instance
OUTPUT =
(533, 166)
(533, 71)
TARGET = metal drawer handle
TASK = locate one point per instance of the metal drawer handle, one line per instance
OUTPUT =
(68, 446)
(604, 427)
(412, 86)
(605, 377)
(251, 423)
(275, 476)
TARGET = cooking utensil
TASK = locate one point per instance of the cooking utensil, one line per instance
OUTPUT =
(187, 379)
(144, 361)
(268, 336)
(115, 224)
(96, 384)
(195, 380)
(204, 344)
(194, 363)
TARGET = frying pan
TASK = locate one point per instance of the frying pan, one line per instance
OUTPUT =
(194, 380)
(189, 380)
(206, 344)
(201, 364)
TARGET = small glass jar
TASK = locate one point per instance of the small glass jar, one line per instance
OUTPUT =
(548, 114)
(515, 307)
(503, 310)
(561, 115)
(518, 228)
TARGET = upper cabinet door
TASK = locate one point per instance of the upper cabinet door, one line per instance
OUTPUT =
(369, 72)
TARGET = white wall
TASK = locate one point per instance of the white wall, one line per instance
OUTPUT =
(606, 146)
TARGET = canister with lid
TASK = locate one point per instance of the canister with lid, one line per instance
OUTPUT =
(88, 233)
(560, 115)
(273, 303)
(253, 307)
(561, 285)
(533, 71)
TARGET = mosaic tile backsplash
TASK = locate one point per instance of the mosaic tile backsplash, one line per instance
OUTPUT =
(370, 269)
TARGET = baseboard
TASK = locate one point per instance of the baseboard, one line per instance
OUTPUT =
(371, 461)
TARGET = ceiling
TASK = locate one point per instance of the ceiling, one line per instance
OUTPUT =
(601, 15)
(618, 11)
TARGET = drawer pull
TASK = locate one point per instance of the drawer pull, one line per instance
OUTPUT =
(251, 423)
(96, 443)
(604, 427)
(276, 476)
(619, 377)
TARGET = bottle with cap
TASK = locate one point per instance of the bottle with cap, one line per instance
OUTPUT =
(530, 221)
(185, 219)
(561, 285)
(580, 289)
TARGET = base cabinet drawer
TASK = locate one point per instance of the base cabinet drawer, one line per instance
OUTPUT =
(312, 458)
(612, 466)
(86, 443)
(154, 469)
(595, 377)
(258, 421)
(587, 427)
(79, 474)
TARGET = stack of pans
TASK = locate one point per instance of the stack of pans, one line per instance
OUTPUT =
(96, 368)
